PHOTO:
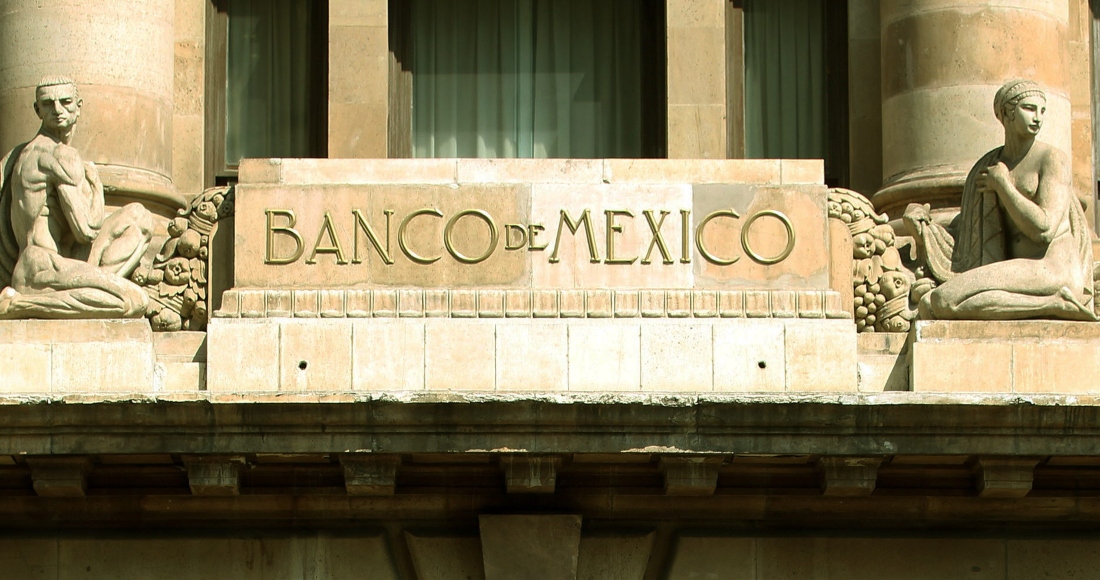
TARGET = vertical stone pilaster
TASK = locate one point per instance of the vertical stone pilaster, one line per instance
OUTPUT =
(696, 79)
(358, 72)
(189, 114)
(942, 62)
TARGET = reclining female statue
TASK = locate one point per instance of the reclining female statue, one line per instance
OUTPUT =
(1022, 247)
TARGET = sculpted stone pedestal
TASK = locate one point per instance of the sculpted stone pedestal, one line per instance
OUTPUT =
(76, 356)
(121, 54)
(942, 61)
(1027, 356)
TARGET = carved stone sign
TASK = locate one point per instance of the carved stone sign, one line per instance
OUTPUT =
(539, 235)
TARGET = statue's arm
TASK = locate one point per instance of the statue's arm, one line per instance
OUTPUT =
(1039, 219)
(67, 174)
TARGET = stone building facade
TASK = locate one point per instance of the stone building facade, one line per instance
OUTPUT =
(382, 344)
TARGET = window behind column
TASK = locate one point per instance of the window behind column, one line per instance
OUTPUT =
(267, 79)
(788, 81)
(529, 78)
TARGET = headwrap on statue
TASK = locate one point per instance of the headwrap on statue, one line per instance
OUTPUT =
(1011, 93)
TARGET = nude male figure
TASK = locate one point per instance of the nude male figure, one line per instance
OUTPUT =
(70, 261)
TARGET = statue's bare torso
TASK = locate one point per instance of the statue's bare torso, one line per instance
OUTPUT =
(73, 262)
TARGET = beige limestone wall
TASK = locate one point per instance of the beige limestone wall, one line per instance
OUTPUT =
(942, 62)
(122, 55)
(358, 90)
(188, 121)
(696, 79)
(864, 97)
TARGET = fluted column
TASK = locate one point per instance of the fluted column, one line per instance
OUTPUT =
(121, 55)
(942, 62)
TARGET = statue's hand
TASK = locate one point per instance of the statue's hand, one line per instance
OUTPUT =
(995, 177)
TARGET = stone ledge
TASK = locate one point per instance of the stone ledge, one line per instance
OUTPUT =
(852, 425)
(70, 356)
(1017, 356)
(1017, 330)
(574, 171)
(520, 303)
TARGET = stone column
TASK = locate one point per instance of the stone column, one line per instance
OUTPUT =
(942, 62)
(121, 55)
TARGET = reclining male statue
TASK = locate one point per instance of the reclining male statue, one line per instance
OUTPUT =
(1021, 246)
(60, 257)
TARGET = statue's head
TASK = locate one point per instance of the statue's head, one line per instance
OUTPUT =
(57, 102)
(1021, 103)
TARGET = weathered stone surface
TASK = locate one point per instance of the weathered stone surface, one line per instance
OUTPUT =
(691, 475)
(530, 473)
(712, 557)
(370, 474)
(309, 557)
(446, 557)
(214, 475)
(614, 556)
(60, 476)
(848, 476)
(1005, 476)
(516, 547)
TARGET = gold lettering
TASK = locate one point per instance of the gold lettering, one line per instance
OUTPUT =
(404, 244)
(566, 222)
(685, 236)
(336, 248)
(494, 236)
(532, 231)
(658, 241)
(786, 250)
(288, 229)
(612, 229)
(362, 225)
(519, 229)
(699, 237)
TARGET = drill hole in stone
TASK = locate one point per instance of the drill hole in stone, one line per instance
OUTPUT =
(302, 365)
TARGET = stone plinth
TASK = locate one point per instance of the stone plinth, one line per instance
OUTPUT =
(942, 62)
(399, 353)
(1010, 357)
(85, 356)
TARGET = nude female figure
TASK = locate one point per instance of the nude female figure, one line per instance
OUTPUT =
(1022, 249)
